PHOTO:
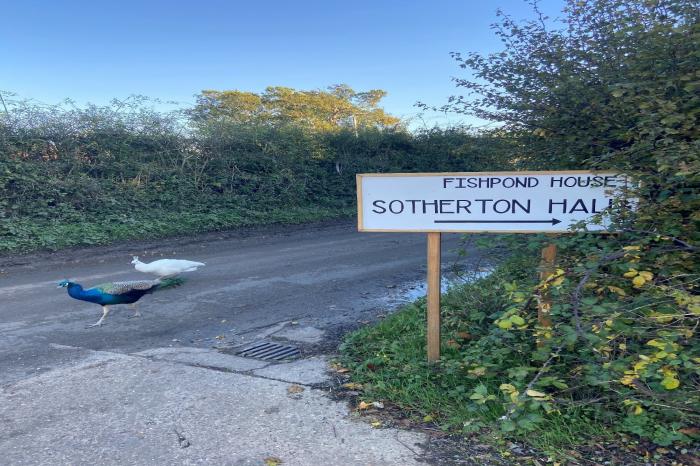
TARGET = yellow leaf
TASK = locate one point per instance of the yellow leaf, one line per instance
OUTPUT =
(638, 281)
(352, 386)
(656, 344)
(428, 418)
(272, 461)
(506, 387)
(638, 410)
(617, 290)
(627, 380)
(670, 383)
(630, 274)
(646, 275)
(339, 369)
(662, 318)
(376, 424)
(639, 365)
(535, 394)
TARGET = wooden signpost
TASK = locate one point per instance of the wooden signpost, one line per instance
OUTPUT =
(482, 202)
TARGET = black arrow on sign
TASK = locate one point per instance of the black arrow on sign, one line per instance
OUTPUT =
(553, 221)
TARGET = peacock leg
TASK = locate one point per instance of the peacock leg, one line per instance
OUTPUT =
(105, 311)
(133, 307)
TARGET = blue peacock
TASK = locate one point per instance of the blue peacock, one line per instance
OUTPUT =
(110, 294)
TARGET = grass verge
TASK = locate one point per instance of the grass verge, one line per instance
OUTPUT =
(26, 235)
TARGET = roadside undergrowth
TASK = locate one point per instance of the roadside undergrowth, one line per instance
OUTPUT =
(564, 397)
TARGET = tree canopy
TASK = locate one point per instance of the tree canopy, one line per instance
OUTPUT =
(335, 108)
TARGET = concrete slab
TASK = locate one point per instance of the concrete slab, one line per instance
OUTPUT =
(203, 357)
(305, 371)
(116, 409)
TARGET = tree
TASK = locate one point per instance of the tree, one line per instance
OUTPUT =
(336, 108)
(618, 78)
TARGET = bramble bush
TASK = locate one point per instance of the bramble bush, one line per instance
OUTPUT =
(612, 86)
(80, 176)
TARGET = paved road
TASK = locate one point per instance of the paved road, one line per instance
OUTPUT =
(328, 276)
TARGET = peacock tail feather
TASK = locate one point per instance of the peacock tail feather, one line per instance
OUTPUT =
(170, 282)
(117, 288)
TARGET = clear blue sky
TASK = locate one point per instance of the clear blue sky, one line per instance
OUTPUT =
(92, 51)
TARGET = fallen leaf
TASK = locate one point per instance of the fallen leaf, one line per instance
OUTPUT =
(428, 418)
(272, 461)
(295, 389)
(378, 404)
(363, 405)
(352, 386)
(220, 337)
(464, 335)
(339, 369)
(453, 344)
(376, 424)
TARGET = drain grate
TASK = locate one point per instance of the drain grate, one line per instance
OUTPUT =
(269, 351)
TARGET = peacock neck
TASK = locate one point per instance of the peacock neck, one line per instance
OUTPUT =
(75, 290)
(140, 266)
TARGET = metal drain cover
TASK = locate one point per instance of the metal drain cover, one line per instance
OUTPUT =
(269, 351)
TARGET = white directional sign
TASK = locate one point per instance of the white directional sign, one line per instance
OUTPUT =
(508, 202)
